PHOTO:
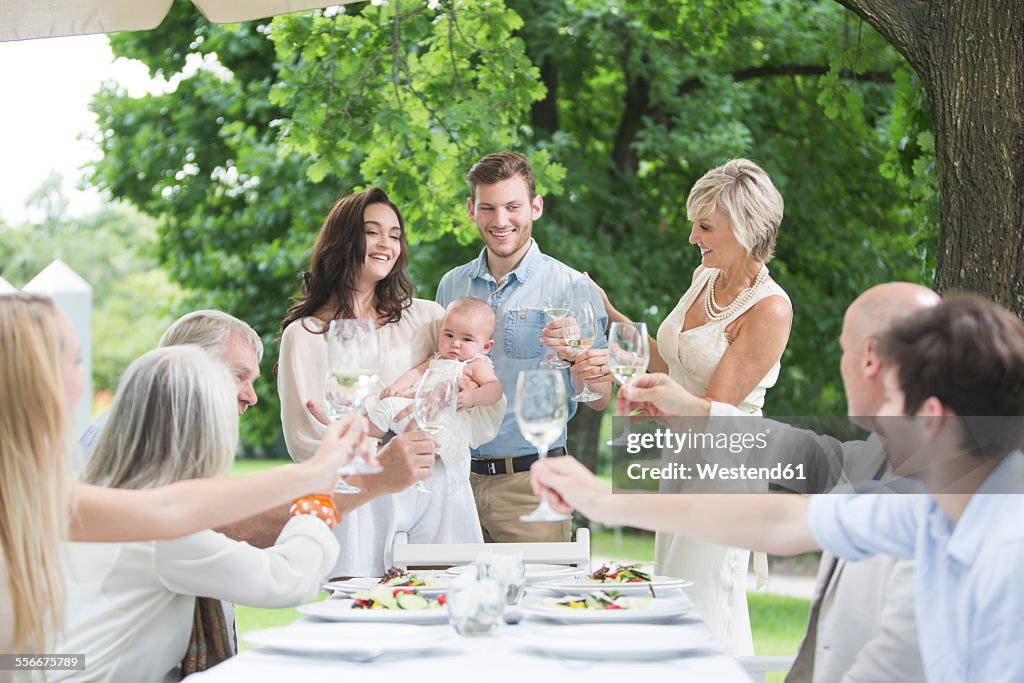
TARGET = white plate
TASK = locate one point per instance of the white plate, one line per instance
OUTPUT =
(341, 610)
(569, 586)
(641, 610)
(435, 586)
(534, 571)
(358, 640)
(608, 641)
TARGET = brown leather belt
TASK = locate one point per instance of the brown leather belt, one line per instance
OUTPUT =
(509, 464)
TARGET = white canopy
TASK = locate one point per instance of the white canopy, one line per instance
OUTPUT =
(24, 19)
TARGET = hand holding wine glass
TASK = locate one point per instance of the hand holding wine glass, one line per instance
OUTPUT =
(435, 405)
(353, 375)
(541, 412)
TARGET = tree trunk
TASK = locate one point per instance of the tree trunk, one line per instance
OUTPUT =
(636, 105)
(583, 434)
(975, 86)
(970, 57)
(544, 113)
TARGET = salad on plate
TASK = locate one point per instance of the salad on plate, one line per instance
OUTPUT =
(388, 597)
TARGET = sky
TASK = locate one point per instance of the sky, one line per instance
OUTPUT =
(45, 88)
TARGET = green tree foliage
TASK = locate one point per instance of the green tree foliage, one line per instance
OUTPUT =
(621, 105)
(114, 250)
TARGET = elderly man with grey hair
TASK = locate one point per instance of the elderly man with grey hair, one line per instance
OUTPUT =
(226, 338)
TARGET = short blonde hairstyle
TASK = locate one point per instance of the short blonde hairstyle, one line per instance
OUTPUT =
(744, 193)
(35, 481)
(174, 417)
(211, 330)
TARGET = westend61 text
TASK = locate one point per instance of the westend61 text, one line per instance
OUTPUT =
(714, 472)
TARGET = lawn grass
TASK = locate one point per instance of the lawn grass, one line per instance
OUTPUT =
(242, 467)
(778, 622)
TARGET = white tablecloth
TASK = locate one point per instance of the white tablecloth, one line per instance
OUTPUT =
(487, 659)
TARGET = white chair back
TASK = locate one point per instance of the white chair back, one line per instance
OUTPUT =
(407, 555)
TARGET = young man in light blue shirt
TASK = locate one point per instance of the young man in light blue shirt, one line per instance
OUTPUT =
(952, 418)
(509, 275)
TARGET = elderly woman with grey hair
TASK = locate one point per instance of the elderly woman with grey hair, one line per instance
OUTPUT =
(130, 605)
(723, 341)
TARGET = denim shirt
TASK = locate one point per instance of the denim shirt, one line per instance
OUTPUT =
(969, 593)
(517, 305)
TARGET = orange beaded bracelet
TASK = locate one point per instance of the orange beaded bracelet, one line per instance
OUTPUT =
(319, 505)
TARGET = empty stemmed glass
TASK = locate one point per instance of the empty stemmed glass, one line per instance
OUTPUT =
(557, 294)
(541, 412)
(437, 400)
(628, 356)
(580, 331)
(353, 375)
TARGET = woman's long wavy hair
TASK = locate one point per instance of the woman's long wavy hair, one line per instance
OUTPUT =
(35, 477)
(337, 259)
(174, 417)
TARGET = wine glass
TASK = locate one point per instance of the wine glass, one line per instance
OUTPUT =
(628, 356)
(629, 351)
(437, 400)
(580, 331)
(541, 412)
(556, 292)
(353, 375)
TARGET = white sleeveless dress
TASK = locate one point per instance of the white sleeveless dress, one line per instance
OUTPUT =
(719, 572)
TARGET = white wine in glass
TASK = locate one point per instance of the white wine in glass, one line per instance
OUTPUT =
(435, 405)
(353, 375)
(541, 412)
(557, 293)
(629, 353)
(580, 332)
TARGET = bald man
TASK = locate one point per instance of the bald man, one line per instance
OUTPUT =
(861, 625)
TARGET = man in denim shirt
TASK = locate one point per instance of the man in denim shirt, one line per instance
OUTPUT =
(509, 275)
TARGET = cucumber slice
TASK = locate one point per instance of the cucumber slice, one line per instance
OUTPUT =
(411, 601)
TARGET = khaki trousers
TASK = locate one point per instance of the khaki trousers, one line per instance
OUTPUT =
(500, 499)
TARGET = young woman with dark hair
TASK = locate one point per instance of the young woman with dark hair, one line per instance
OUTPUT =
(357, 270)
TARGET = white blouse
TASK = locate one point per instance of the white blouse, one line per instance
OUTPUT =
(303, 366)
(130, 605)
(366, 533)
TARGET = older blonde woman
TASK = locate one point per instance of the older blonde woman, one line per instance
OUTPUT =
(722, 341)
(39, 365)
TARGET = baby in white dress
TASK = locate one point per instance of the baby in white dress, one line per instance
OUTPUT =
(465, 338)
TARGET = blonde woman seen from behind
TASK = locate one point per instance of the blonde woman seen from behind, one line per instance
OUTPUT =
(130, 605)
(41, 381)
(35, 375)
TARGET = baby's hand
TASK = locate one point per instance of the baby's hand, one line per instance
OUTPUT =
(388, 392)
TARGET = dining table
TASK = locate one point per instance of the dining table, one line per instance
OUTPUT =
(531, 646)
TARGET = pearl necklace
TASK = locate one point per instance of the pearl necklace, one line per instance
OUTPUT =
(716, 312)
